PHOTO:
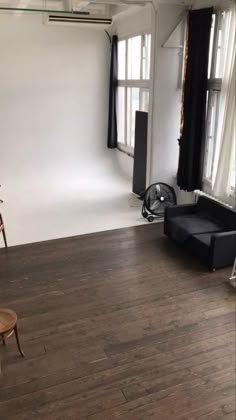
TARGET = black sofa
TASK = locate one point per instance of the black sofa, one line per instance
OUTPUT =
(207, 229)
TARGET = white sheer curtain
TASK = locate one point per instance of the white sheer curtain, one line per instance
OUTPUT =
(225, 153)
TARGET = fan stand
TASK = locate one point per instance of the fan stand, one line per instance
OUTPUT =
(150, 217)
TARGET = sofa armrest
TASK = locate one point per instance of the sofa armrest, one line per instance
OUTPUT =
(222, 249)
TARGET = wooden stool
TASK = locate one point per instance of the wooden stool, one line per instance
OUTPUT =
(8, 326)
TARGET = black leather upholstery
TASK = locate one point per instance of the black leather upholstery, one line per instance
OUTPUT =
(207, 229)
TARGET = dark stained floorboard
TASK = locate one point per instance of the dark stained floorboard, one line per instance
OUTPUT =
(117, 325)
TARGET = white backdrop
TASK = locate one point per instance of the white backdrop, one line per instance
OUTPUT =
(53, 99)
(57, 176)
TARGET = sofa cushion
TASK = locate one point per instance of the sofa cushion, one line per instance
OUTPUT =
(182, 227)
(204, 238)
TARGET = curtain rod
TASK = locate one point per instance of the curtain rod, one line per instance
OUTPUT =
(22, 9)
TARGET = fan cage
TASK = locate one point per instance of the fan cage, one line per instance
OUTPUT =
(157, 197)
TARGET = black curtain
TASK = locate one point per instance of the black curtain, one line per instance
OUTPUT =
(192, 140)
(112, 119)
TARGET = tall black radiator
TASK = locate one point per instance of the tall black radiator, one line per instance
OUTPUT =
(140, 152)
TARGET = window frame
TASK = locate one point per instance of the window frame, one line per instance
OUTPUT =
(214, 85)
(133, 83)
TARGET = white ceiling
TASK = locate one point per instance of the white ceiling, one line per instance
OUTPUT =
(78, 4)
(112, 7)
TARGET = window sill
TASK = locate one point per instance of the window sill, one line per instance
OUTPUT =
(127, 150)
(207, 181)
(207, 186)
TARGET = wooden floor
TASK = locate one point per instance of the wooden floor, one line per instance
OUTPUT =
(116, 325)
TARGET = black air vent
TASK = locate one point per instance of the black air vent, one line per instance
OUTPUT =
(80, 19)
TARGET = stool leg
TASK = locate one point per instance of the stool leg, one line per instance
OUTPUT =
(3, 231)
(3, 340)
(18, 342)
(4, 237)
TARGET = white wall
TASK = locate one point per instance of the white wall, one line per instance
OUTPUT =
(125, 164)
(135, 21)
(53, 101)
(166, 99)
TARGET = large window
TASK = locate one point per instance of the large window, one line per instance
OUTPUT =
(133, 85)
(213, 95)
(217, 56)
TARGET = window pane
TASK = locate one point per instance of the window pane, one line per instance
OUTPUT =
(132, 107)
(146, 57)
(211, 45)
(216, 50)
(121, 59)
(144, 100)
(121, 115)
(219, 55)
(218, 72)
(134, 58)
(213, 110)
